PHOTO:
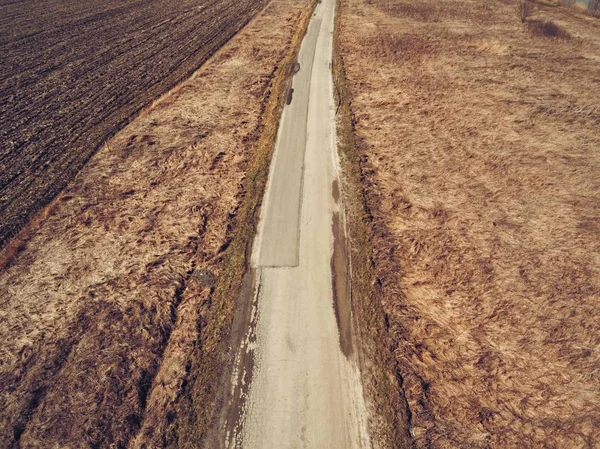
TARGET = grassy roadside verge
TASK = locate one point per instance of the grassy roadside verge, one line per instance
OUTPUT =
(211, 356)
(381, 376)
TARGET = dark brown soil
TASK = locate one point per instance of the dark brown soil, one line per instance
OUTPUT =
(73, 72)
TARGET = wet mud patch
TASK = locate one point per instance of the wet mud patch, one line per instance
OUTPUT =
(342, 302)
(335, 191)
(234, 393)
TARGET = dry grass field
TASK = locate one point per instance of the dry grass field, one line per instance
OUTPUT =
(479, 142)
(108, 312)
(74, 72)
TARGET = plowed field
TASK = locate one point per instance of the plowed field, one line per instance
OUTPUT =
(72, 73)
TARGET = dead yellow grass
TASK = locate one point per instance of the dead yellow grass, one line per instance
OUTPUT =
(478, 156)
(102, 309)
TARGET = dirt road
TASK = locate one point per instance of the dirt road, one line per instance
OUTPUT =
(305, 389)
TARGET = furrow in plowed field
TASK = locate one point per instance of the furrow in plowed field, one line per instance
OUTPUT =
(73, 73)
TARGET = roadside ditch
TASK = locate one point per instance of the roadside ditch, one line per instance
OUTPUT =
(382, 379)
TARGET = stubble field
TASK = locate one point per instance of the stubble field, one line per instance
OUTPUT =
(478, 137)
(74, 72)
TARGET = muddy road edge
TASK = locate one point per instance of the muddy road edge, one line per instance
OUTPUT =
(382, 379)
